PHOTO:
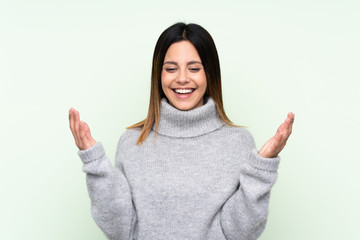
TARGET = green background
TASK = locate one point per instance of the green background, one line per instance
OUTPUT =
(95, 56)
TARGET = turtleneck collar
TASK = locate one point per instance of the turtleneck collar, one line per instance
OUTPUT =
(195, 122)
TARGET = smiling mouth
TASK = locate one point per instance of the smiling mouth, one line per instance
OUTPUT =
(184, 90)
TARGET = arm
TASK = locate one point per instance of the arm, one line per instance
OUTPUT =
(245, 213)
(109, 191)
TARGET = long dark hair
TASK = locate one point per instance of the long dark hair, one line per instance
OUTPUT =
(206, 49)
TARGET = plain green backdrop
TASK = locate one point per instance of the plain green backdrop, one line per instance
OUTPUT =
(95, 56)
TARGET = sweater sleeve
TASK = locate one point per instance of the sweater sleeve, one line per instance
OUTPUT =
(111, 203)
(244, 214)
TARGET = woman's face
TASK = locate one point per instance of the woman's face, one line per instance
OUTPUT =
(183, 78)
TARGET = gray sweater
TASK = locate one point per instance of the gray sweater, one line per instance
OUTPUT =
(201, 179)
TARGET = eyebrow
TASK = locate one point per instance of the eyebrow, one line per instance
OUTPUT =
(175, 63)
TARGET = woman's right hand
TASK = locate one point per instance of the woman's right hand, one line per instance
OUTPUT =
(80, 131)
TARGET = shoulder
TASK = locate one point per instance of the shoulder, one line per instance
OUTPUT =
(238, 135)
(129, 137)
(240, 131)
(127, 143)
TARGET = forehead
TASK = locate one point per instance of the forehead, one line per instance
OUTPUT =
(182, 51)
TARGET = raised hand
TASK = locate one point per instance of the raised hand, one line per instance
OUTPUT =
(80, 131)
(275, 144)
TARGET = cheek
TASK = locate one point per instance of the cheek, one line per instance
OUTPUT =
(164, 81)
(162, 78)
(203, 81)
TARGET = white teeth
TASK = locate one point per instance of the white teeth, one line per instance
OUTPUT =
(184, 91)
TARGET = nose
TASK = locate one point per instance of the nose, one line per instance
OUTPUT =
(182, 76)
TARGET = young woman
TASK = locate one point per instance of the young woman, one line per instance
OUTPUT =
(186, 171)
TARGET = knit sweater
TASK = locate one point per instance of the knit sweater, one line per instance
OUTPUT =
(201, 179)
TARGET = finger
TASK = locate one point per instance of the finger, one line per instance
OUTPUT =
(71, 120)
(279, 139)
(291, 115)
(77, 128)
(282, 136)
(87, 131)
(72, 123)
(279, 133)
(82, 136)
(266, 151)
(271, 148)
(292, 118)
(289, 120)
(90, 139)
(288, 127)
(287, 131)
(276, 141)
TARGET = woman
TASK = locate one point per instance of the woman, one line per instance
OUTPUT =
(185, 172)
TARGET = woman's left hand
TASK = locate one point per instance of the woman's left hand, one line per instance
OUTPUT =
(274, 146)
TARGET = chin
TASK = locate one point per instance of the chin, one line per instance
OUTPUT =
(186, 106)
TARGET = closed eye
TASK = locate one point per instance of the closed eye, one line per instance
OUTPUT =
(170, 69)
(194, 69)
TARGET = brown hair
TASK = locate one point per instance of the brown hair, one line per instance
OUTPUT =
(206, 49)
